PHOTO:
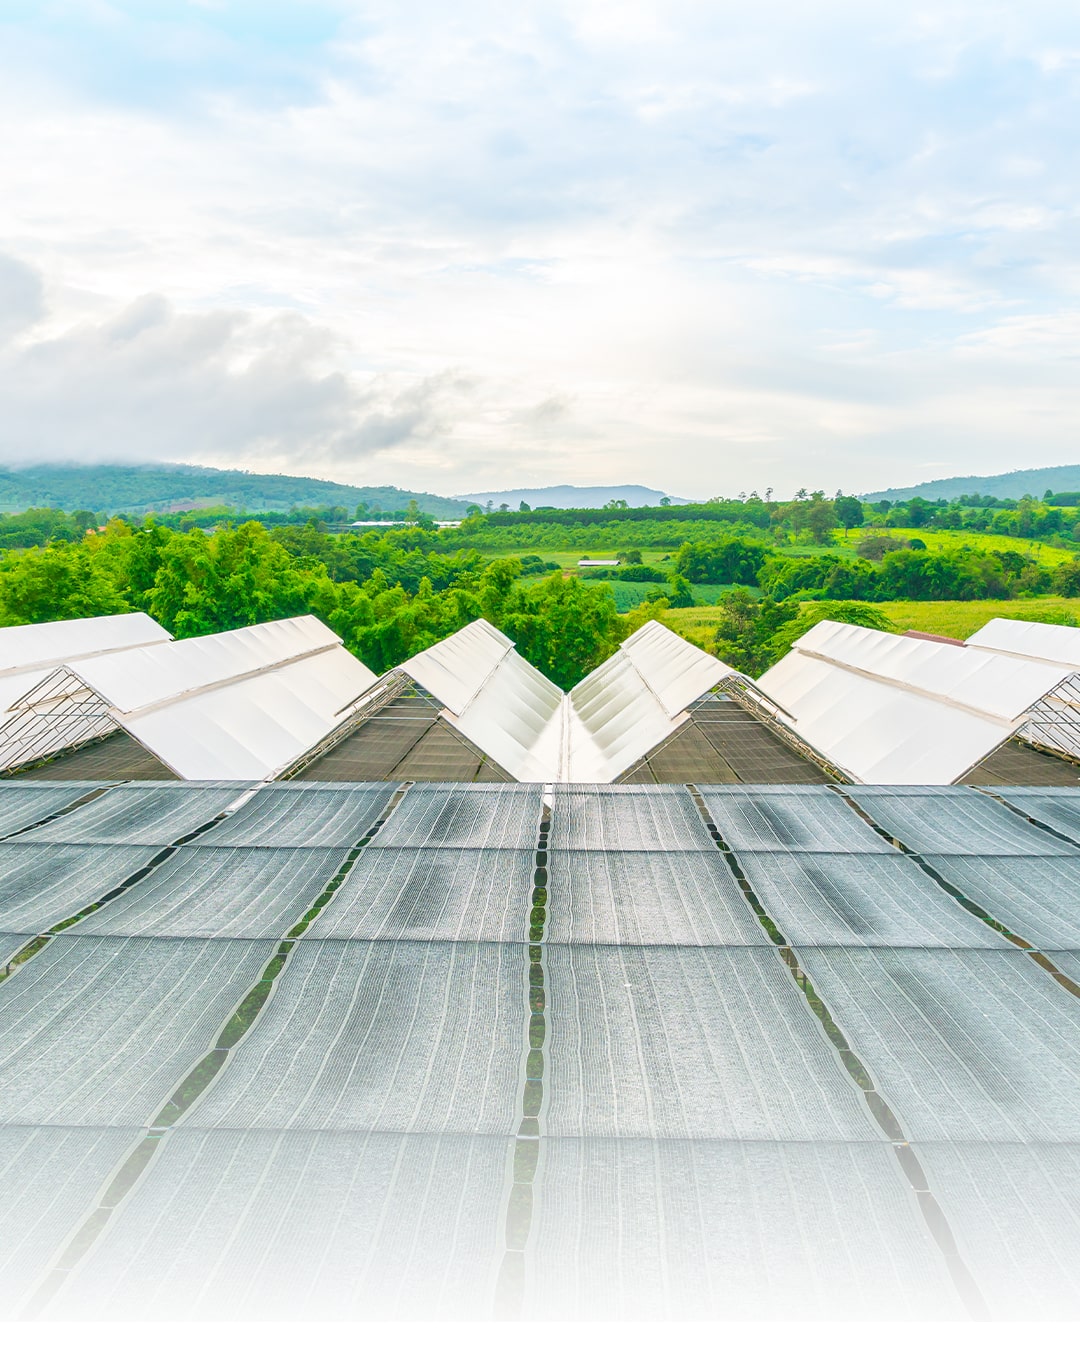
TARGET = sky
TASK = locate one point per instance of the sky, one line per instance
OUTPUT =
(708, 247)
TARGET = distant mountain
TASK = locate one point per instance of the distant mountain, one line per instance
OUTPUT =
(139, 488)
(1034, 482)
(633, 494)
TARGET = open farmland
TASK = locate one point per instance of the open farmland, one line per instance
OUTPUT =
(938, 541)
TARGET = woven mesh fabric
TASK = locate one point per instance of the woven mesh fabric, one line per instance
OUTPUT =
(10, 944)
(1036, 898)
(699, 1043)
(1057, 807)
(816, 821)
(630, 817)
(958, 821)
(697, 1229)
(312, 816)
(418, 1036)
(644, 898)
(963, 1044)
(824, 899)
(221, 892)
(43, 884)
(304, 1224)
(444, 893)
(151, 813)
(1068, 962)
(1014, 1211)
(98, 1031)
(49, 1177)
(465, 816)
(23, 804)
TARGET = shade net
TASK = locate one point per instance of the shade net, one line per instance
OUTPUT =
(10, 944)
(1058, 808)
(1038, 899)
(23, 804)
(641, 898)
(154, 813)
(1014, 1211)
(312, 816)
(817, 821)
(98, 1031)
(958, 820)
(1068, 963)
(962, 1044)
(43, 884)
(265, 1225)
(627, 818)
(442, 893)
(50, 1177)
(638, 1229)
(873, 901)
(221, 892)
(390, 1035)
(705, 1043)
(474, 816)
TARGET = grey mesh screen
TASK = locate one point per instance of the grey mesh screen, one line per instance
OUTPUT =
(1068, 962)
(1036, 898)
(1057, 807)
(963, 1044)
(638, 897)
(266, 1225)
(1014, 1211)
(23, 804)
(419, 1036)
(959, 821)
(473, 816)
(807, 821)
(433, 893)
(316, 815)
(98, 1031)
(630, 817)
(708, 1042)
(154, 813)
(43, 884)
(49, 1178)
(838, 898)
(690, 1229)
(221, 892)
(10, 945)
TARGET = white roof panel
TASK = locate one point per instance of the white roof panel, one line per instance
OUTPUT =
(1051, 642)
(37, 646)
(455, 670)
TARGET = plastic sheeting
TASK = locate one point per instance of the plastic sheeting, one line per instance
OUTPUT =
(627, 818)
(962, 822)
(1015, 1214)
(265, 1225)
(161, 813)
(220, 892)
(487, 816)
(1050, 642)
(49, 1178)
(1038, 899)
(696, 1043)
(974, 1045)
(817, 821)
(24, 804)
(44, 884)
(312, 816)
(1058, 808)
(890, 709)
(98, 1031)
(871, 901)
(674, 1229)
(421, 1037)
(646, 898)
(441, 893)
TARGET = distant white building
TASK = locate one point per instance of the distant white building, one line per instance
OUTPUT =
(599, 562)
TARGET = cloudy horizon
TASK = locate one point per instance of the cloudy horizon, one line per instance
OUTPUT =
(683, 245)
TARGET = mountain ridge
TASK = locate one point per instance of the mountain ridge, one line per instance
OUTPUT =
(567, 495)
(1015, 483)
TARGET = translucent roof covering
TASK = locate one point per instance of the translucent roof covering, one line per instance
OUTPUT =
(891, 709)
(535, 732)
(1050, 642)
(43, 884)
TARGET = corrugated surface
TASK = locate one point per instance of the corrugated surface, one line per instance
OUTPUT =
(487, 816)
(319, 816)
(963, 1045)
(23, 804)
(160, 814)
(622, 818)
(410, 1036)
(817, 821)
(98, 1031)
(43, 884)
(699, 1043)
(961, 822)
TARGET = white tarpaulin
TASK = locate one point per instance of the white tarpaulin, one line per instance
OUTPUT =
(1051, 642)
(890, 709)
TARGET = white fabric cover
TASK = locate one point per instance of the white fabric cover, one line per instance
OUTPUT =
(1051, 642)
(890, 709)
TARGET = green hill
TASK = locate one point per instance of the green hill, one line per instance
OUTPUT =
(1013, 485)
(139, 488)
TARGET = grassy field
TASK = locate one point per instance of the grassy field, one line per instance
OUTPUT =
(1045, 554)
(948, 618)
